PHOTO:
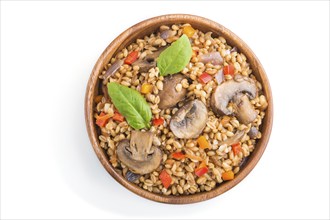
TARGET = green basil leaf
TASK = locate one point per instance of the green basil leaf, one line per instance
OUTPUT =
(174, 58)
(131, 104)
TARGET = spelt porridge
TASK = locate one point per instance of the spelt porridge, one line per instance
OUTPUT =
(179, 111)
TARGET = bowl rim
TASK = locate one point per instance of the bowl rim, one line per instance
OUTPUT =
(234, 40)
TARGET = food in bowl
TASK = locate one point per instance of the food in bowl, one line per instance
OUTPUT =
(180, 111)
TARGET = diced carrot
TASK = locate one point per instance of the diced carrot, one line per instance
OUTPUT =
(97, 98)
(189, 31)
(118, 117)
(205, 78)
(165, 178)
(229, 70)
(229, 175)
(131, 58)
(158, 121)
(203, 143)
(101, 123)
(178, 155)
(236, 148)
(146, 88)
(225, 120)
(102, 115)
(102, 119)
(201, 169)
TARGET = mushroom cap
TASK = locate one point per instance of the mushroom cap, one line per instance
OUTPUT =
(244, 110)
(190, 120)
(225, 92)
(169, 96)
(138, 154)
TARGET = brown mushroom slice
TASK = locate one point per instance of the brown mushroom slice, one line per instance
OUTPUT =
(244, 110)
(225, 92)
(138, 154)
(145, 65)
(149, 61)
(169, 96)
(190, 120)
(234, 139)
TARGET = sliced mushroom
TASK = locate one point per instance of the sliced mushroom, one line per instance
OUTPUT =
(228, 90)
(139, 155)
(190, 120)
(244, 110)
(169, 96)
(145, 64)
(149, 61)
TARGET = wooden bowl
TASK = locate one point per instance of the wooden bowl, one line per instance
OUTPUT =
(145, 28)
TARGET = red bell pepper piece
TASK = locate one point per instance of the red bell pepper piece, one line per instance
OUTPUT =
(165, 178)
(158, 121)
(201, 169)
(236, 148)
(102, 119)
(178, 155)
(131, 58)
(229, 70)
(205, 78)
(118, 117)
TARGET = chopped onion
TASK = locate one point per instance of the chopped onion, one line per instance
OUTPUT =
(105, 92)
(219, 76)
(213, 57)
(112, 69)
(234, 49)
(234, 139)
(167, 34)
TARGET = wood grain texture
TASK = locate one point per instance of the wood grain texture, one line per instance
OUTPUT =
(145, 28)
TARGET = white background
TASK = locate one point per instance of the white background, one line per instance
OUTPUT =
(48, 167)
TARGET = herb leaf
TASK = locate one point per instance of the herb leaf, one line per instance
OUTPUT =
(174, 58)
(131, 104)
